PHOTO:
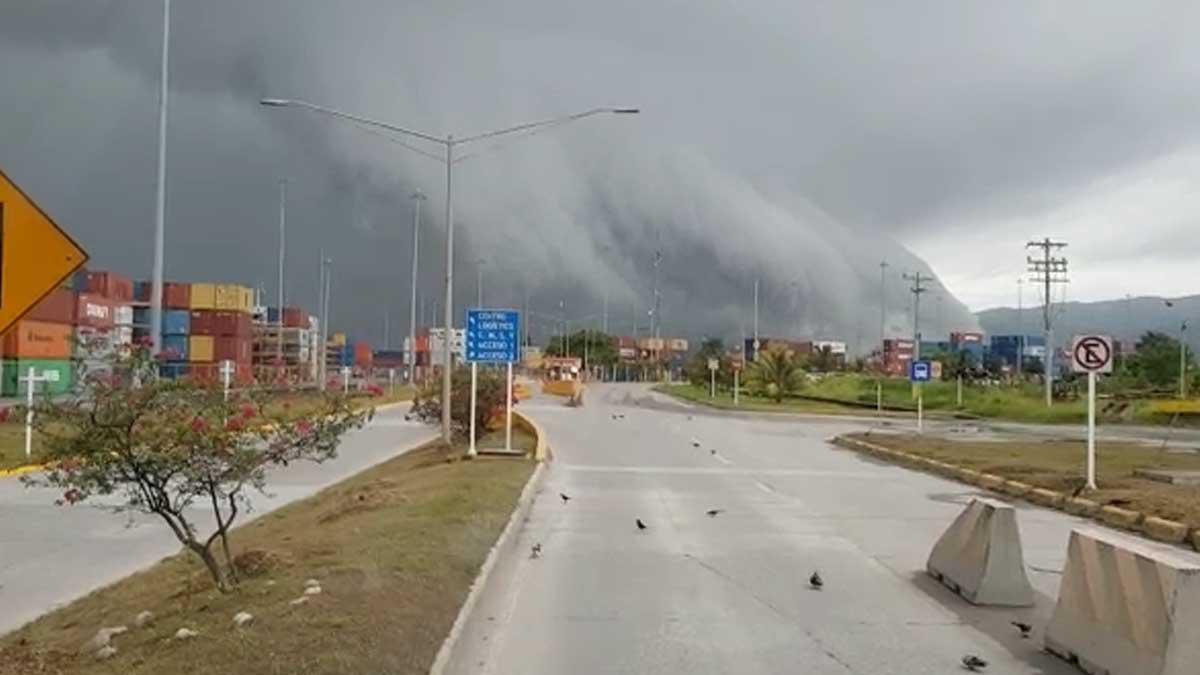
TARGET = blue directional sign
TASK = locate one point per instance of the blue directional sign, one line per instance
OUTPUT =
(493, 335)
(920, 371)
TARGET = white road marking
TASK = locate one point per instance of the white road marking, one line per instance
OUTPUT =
(716, 471)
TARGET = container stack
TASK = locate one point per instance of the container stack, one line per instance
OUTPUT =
(42, 341)
(220, 329)
(283, 343)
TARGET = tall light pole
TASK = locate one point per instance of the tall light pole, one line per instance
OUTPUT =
(411, 357)
(160, 206)
(449, 143)
(1048, 270)
(1183, 359)
(479, 282)
(883, 265)
(282, 256)
(756, 319)
(1020, 328)
(917, 289)
(326, 292)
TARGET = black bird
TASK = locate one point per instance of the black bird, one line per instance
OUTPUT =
(695, 443)
(640, 525)
(536, 550)
(973, 663)
(565, 497)
(815, 581)
(1023, 627)
(1079, 490)
(689, 418)
(712, 452)
(712, 513)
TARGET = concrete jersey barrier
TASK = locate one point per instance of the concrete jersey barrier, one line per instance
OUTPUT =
(979, 556)
(1127, 607)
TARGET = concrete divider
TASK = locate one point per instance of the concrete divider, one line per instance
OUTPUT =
(1127, 607)
(1119, 517)
(979, 556)
(541, 451)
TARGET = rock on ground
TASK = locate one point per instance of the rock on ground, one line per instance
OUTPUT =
(144, 618)
(106, 652)
(311, 583)
(312, 590)
(185, 634)
(242, 618)
(102, 637)
(299, 601)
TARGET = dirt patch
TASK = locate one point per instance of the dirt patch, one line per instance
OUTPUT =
(1059, 466)
(394, 551)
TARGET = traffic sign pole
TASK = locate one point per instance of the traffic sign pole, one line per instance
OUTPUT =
(508, 411)
(920, 409)
(471, 451)
(735, 385)
(1091, 435)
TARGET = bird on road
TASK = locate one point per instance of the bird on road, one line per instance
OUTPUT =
(815, 581)
(1079, 490)
(689, 418)
(712, 513)
(695, 443)
(536, 550)
(1023, 627)
(713, 451)
(973, 663)
(565, 497)
(640, 525)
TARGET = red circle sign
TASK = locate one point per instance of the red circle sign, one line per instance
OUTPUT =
(1092, 353)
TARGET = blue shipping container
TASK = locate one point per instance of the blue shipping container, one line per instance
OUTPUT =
(141, 316)
(175, 347)
(177, 322)
(173, 371)
(141, 291)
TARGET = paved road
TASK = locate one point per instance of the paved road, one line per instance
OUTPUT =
(50, 555)
(728, 594)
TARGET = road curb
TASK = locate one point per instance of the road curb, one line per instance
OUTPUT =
(21, 470)
(1149, 526)
(506, 541)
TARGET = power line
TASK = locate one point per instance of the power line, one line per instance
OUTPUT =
(1048, 270)
(917, 289)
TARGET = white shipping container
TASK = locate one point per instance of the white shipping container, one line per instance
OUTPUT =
(834, 346)
(123, 315)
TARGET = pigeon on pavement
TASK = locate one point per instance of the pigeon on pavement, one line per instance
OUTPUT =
(640, 525)
(536, 550)
(695, 443)
(815, 581)
(973, 663)
(1023, 627)
(565, 497)
(713, 451)
(712, 513)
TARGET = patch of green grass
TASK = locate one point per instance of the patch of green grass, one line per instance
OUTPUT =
(394, 548)
(12, 445)
(724, 400)
(1059, 465)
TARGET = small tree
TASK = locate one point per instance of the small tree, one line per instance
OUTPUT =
(776, 373)
(489, 400)
(166, 446)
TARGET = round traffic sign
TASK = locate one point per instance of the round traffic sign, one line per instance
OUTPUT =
(1092, 353)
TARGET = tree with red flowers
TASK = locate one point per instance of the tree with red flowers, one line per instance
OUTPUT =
(169, 446)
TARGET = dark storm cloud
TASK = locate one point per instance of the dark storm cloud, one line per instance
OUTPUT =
(787, 142)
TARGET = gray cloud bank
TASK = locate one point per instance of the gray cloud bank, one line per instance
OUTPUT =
(783, 142)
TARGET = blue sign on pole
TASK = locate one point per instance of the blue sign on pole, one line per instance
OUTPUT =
(493, 336)
(920, 371)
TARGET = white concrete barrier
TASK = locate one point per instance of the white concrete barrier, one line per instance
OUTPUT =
(979, 556)
(1127, 607)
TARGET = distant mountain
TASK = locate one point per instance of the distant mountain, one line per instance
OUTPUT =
(1124, 319)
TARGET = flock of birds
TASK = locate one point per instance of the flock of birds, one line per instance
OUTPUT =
(970, 662)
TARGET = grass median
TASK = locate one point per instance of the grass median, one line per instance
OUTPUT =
(1059, 466)
(394, 550)
(724, 401)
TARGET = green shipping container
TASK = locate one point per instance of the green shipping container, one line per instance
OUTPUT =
(60, 376)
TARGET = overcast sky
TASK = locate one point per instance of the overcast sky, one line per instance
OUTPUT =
(795, 143)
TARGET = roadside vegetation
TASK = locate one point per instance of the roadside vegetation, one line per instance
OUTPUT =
(1058, 465)
(392, 550)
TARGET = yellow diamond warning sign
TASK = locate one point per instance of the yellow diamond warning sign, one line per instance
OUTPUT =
(35, 254)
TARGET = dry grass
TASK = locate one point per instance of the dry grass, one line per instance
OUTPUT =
(1059, 465)
(394, 548)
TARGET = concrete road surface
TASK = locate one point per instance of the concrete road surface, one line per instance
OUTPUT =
(729, 594)
(50, 555)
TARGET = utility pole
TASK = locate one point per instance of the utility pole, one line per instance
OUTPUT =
(917, 289)
(387, 328)
(282, 254)
(411, 357)
(1020, 329)
(883, 265)
(1048, 270)
(160, 203)
(756, 343)
(1183, 360)
(604, 313)
(656, 322)
(479, 283)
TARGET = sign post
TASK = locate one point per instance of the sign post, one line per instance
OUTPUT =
(31, 381)
(737, 370)
(392, 382)
(226, 376)
(1092, 354)
(492, 336)
(345, 379)
(920, 372)
(713, 365)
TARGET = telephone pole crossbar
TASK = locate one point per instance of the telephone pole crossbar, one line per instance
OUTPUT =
(917, 289)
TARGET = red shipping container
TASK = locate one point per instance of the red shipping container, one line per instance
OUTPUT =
(93, 311)
(203, 322)
(423, 343)
(362, 354)
(626, 343)
(294, 317)
(110, 285)
(177, 296)
(57, 307)
(231, 348)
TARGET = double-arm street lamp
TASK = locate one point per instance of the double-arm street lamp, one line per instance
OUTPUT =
(449, 144)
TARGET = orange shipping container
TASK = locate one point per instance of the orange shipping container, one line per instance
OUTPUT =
(38, 340)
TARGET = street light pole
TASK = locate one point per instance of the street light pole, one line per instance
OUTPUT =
(883, 265)
(160, 207)
(449, 143)
(479, 283)
(282, 254)
(411, 357)
(1183, 360)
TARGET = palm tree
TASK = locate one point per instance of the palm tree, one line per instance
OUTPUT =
(776, 372)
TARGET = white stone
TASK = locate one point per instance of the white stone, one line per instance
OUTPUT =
(312, 590)
(185, 634)
(144, 618)
(299, 601)
(106, 652)
(311, 583)
(242, 618)
(102, 637)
